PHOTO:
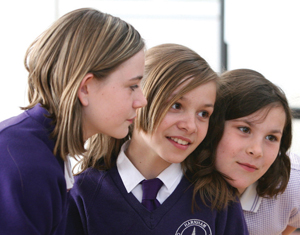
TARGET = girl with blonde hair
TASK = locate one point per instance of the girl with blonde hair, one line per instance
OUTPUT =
(147, 182)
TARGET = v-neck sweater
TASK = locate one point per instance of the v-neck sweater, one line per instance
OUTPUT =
(100, 204)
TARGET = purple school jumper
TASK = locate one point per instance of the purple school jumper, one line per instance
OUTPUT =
(33, 191)
(101, 205)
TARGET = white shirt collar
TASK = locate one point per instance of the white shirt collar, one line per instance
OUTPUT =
(250, 201)
(131, 177)
(171, 175)
(68, 173)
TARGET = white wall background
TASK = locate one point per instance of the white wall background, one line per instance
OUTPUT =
(261, 35)
(264, 35)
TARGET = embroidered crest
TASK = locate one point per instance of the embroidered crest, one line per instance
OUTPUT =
(194, 227)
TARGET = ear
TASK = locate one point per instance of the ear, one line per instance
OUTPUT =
(83, 90)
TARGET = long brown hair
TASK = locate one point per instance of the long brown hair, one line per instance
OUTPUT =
(248, 91)
(243, 92)
(80, 42)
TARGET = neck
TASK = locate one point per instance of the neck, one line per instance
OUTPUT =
(241, 190)
(144, 158)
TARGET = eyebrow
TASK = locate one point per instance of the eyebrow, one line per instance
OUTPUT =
(183, 98)
(136, 78)
(275, 131)
(209, 105)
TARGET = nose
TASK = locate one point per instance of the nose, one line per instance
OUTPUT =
(188, 123)
(254, 148)
(139, 100)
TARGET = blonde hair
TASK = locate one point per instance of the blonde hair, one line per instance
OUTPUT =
(166, 67)
(80, 42)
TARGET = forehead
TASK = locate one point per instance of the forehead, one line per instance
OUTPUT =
(190, 82)
(182, 84)
(270, 113)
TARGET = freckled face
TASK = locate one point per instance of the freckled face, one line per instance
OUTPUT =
(113, 101)
(249, 146)
(184, 126)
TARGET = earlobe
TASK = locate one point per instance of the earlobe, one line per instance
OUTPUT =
(83, 90)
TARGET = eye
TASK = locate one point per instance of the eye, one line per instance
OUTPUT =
(176, 106)
(244, 129)
(134, 87)
(272, 138)
(204, 114)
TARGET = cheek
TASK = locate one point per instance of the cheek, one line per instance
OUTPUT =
(222, 155)
(221, 165)
(202, 132)
(219, 158)
(269, 160)
(167, 122)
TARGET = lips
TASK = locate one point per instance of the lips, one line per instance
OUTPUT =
(131, 120)
(248, 167)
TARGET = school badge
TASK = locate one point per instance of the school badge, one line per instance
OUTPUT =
(194, 227)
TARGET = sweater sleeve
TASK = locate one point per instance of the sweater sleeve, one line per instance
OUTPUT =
(235, 221)
(32, 188)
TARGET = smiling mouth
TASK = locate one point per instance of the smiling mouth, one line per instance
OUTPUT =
(248, 166)
(179, 141)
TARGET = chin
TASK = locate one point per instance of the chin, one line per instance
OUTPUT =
(176, 160)
(121, 135)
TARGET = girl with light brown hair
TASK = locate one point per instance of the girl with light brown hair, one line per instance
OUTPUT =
(84, 81)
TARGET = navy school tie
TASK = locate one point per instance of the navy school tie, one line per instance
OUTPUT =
(150, 190)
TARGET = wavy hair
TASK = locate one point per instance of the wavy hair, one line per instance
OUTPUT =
(244, 92)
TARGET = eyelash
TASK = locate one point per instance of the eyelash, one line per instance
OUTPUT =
(273, 137)
(206, 114)
(246, 130)
(178, 106)
(134, 87)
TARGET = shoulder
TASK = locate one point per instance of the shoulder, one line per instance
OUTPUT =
(23, 150)
(13, 120)
(287, 201)
(292, 190)
(295, 161)
(24, 163)
(11, 125)
(232, 220)
(23, 138)
(88, 181)
(235, 207)
(90, 176)
(27, 151)
(24, 130)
